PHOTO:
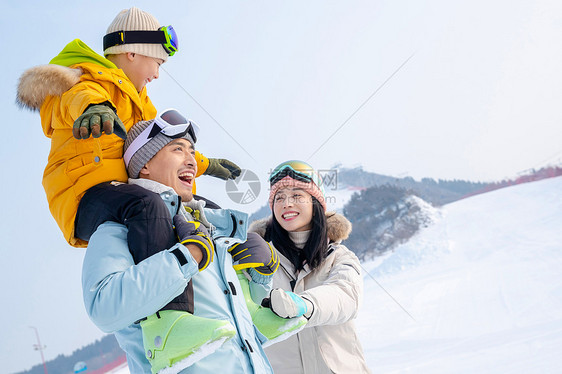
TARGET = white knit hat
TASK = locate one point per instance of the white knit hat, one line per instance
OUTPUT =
(131, 20)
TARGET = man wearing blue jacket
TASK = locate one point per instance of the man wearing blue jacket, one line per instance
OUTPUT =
(119, 294)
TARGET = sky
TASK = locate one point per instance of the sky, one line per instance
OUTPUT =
(439, 89)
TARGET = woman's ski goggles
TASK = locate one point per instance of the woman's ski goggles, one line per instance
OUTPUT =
(165, 35)
(298, 170)
(170, 123)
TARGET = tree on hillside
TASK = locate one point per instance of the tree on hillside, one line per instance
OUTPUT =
(382, 216)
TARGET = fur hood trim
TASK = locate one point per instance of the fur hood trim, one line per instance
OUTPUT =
(37, 83)
(339, 227)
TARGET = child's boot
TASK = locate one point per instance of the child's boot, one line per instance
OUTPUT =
(174, 340)
(273, 327)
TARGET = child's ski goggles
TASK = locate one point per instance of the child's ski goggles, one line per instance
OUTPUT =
(170, 123)
(165, 35)
(298, 170)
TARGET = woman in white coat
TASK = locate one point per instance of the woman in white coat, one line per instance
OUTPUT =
(318, 276)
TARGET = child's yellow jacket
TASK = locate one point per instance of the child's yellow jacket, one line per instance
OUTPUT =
(62, 91)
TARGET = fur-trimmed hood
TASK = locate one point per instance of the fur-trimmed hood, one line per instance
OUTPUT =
(37, 83)
(339, 227)
(54, 79)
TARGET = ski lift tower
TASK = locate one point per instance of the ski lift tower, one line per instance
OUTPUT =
(40, 348)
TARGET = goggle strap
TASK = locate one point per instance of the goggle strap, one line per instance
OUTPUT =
(139, 141)
(155, 130)
(130, 37)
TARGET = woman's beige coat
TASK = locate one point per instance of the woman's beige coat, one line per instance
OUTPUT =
(329, 343)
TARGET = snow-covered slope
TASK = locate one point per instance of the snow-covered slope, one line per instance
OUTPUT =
(481, 289)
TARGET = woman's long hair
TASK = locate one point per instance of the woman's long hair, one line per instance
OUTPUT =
(316, 247)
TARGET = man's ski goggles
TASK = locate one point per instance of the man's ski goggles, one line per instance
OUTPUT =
(170, 123)
(298, 170)
(174, 125)
(165, 35)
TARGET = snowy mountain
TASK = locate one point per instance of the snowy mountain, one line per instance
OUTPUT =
(479, 291)
(437, 192)
(383, 217)
(340, 183)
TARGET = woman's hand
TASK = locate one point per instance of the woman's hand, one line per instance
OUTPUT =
(288, 304)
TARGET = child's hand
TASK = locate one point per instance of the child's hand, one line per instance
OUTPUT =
(192, 233)
(223, 169)
(98, 118)
(255, 253)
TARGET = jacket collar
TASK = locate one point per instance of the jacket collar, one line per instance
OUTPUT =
(153, 186)
(77, 52)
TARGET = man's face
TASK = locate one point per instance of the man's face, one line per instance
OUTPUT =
(174, 166)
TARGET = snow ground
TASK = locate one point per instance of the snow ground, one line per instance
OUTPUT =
(482, 286)
(481, 289)
(121, 369)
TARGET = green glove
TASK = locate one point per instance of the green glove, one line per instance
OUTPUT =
(95, 119)
(223, 169)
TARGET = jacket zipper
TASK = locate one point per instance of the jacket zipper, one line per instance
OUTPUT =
(293, 281)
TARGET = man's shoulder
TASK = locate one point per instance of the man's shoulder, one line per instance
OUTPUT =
(228, 222)
(211, 205)
(106, 233)
(226, 214)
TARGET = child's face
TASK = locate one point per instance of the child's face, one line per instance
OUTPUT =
(292, 208)
(141, 69)
(174, 166)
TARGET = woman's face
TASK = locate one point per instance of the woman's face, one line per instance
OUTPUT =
(292, 208)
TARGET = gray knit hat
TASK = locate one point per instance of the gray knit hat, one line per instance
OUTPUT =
(149, 146)
(131, 20)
